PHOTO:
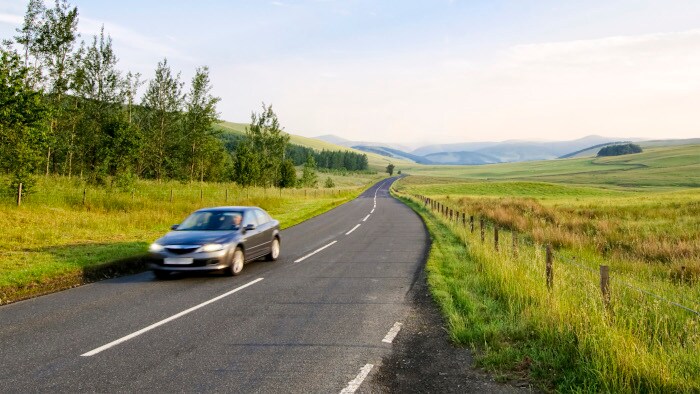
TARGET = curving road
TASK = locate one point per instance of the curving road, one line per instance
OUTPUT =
(318, 320)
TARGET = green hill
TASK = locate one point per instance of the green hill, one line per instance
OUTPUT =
(376, 162)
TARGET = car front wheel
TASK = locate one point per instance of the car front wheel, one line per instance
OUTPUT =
(237, 261)
(274, 250)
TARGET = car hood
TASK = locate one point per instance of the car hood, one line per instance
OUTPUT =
(196, 237)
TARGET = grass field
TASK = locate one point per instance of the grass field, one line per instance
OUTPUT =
(53, 239)
(376, 162)
(641, 219)
(656, 167)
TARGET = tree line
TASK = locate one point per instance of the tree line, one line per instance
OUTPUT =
(67, 109)
(617, 150)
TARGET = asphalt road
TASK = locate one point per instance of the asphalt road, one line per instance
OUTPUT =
(314, 324)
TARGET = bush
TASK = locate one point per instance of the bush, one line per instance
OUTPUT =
(329, 183)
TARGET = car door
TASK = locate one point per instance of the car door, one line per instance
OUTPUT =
(266, 228)
(252, 239)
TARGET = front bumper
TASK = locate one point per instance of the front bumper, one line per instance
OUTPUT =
(213, 261)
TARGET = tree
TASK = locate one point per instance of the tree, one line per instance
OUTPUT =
(199, 118)
(308, 175)
(267, 142)
(162, 104)
(54, 44)
(246, 168)
(390, 169)
(288, 176)
(97, 82)
(28, 34)
(22, 113)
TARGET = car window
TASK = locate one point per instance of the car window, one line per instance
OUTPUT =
(211, 221)
(249, 218)
(262, 217)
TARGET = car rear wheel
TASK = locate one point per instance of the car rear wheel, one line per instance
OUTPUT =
(274, 250)
(237, 261)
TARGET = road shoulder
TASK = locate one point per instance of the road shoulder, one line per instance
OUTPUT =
(423, 359)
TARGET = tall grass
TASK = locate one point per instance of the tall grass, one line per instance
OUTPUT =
(66, 226)
(563, 337)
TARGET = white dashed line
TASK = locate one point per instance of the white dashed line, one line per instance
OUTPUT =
(313, 253)
(366, 217)
(354, 384)
(353, 229)
(171, 318)
(372, 211)
(392, 333)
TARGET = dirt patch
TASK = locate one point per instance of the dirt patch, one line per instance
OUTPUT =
(424, 360)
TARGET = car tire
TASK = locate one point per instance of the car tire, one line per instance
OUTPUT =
(274, 250)
(161, 274)
(237, 262)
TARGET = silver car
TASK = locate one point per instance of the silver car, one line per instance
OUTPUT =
(216, 239)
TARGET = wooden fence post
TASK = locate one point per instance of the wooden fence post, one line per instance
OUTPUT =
(201, 194)
(226, 197)
(171, 196)
(464, 218)
(471, 224)
(550, 272)
(84, 195)
(133, 192)
(481, 224)
(605, 284)
(19, 194)
(495, 237)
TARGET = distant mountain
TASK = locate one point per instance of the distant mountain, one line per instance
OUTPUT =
(516, 150)
(461, 158)
(334, 139)
(395, 153)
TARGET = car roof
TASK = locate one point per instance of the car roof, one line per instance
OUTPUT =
(225, 209)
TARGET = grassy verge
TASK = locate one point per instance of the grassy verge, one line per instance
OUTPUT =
(563, 338)
(55, 241)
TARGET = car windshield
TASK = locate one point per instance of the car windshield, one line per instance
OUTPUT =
(212, 221)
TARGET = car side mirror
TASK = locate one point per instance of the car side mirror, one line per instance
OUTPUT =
(249, 227)
(174, 226)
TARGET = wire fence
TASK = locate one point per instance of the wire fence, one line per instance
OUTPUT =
(483, 225)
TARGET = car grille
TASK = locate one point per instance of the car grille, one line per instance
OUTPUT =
(181, 249)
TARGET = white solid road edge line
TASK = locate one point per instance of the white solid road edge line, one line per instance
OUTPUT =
(313, 253)
(392, 333)
(353, 229)
(171, 318)
(365, 219)
(354, 384)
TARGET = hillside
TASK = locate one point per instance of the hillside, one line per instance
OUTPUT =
(674, 166)
(376, 162)
(461, 158)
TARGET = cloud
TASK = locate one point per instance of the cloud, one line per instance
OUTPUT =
(626, 86)
(126, 37)
(11, 19)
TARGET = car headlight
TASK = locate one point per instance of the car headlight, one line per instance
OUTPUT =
(155, 247)
(211, 248)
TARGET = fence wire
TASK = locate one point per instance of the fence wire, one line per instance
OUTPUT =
(489, 225)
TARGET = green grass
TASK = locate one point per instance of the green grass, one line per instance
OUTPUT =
(376, 162)
(638, 214)
(564, 339)
(52, 240)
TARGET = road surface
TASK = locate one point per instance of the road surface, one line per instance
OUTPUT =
(320, 319)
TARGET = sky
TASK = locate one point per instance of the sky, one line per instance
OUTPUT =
(423, 72)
